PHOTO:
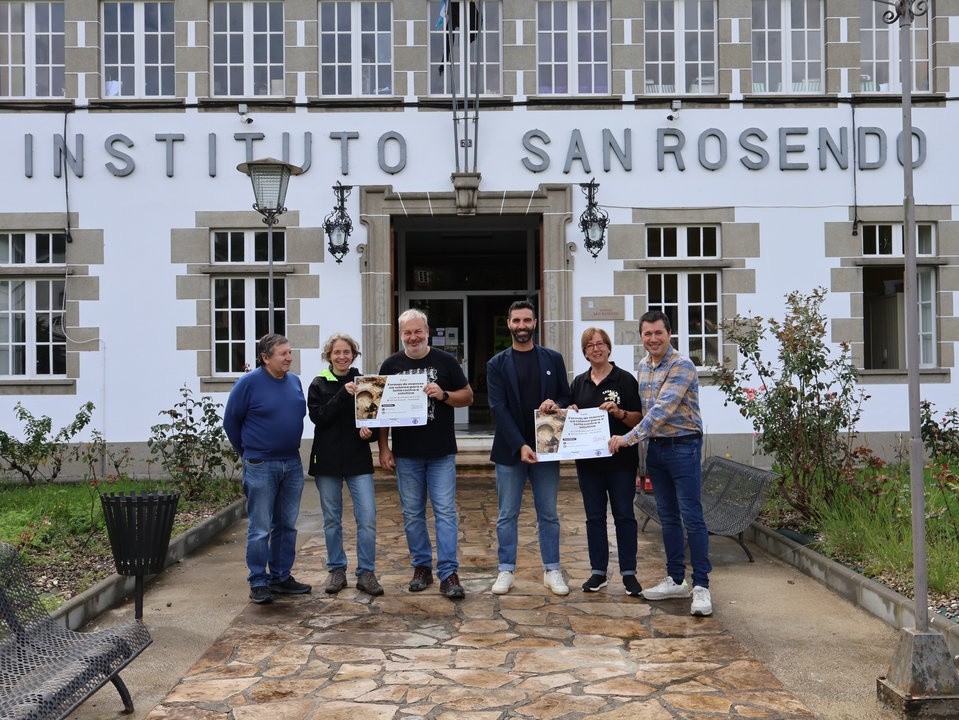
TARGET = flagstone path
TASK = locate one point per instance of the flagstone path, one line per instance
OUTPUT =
(527, 654)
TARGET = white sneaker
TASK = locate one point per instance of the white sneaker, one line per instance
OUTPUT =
(553, 579)
(504, 581)
(666, 589)
(702, 602)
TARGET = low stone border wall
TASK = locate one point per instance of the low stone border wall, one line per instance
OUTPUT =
(873, 597)
(78, 611)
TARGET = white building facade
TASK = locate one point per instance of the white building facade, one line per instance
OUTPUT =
(743, 150)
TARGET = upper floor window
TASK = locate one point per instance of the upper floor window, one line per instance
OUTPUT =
(356, 48)
(572, 38)
(31, 49)
(689, 297)
(465, 47)
(241, 301)
(787, 46)
(138, 49)
(680, 46)
(247, 41)
(32, 340)
(880, 52)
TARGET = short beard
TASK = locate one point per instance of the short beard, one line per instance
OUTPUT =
(516, 336)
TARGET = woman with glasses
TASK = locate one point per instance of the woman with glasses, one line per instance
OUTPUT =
(341, 454)
(609, 479)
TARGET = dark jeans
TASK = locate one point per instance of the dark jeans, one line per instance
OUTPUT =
(675, 467)
(619, 487)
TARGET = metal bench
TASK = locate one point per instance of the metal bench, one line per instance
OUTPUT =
(732, 493)
(46, 670)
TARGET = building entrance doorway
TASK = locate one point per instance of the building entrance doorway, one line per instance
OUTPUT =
(464, 273)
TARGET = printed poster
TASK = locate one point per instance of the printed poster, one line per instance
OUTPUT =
(572, 434)
(390, 400)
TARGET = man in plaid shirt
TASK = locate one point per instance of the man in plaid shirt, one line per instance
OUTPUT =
(669, 390)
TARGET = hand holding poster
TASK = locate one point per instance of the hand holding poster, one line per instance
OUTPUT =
(390, 400)
(572, 434)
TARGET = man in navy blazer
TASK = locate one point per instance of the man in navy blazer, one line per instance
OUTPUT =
(522, 379)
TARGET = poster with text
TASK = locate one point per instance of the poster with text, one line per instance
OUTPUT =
(572, 434)
(390, 400)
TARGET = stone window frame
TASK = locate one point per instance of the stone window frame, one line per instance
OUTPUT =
(739, 244)
(841, 244)
(193, 247)
(85, 250)
(573, 64)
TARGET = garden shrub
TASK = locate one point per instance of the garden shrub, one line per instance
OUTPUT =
(804, 404)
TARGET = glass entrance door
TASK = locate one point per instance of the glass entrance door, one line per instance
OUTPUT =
(447, 320)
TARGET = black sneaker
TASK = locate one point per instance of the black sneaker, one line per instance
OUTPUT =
(632, 585)
(260, 594)
(451, 587)
(290, 587)
(368, 583)
(422, 578)
(595, 582)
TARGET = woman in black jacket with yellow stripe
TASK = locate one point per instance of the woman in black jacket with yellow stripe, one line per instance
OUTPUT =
(341, 453)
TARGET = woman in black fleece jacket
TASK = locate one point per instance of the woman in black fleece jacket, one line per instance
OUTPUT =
(341, 453)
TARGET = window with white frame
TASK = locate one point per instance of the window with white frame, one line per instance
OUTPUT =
(138, 49)
(465, 47)
(241, 301)
(31, 49)
(689, 297)
(356, 48)
(880, 52)
(787, 44)
(32, 339)
(883, 287)
(247, 42)
(572, 39)
(680, 46)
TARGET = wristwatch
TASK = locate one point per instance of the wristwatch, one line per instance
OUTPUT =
(446, 396)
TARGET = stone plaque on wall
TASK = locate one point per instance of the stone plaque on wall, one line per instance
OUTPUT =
(603, 308)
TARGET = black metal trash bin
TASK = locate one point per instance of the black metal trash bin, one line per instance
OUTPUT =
(139, 526)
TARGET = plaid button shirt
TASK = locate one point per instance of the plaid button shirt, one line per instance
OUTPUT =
(670, 395)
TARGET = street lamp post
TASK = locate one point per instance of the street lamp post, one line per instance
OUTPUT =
(270, 178)
(922, 677)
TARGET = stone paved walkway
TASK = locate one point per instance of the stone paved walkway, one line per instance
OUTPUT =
(527, 654)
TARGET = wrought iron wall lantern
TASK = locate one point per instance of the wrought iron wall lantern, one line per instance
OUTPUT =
(338, 225)
(593, 221)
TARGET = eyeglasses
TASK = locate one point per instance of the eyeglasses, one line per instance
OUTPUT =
(593, 346)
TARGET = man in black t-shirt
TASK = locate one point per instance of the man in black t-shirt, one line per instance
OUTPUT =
(424, 457)
(522, 379)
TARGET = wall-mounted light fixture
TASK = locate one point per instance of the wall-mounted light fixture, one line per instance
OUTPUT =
(593, 221)
(338, 225)
(270, 178)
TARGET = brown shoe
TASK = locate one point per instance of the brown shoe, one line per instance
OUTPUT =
(336, 581)
(368, 583)
(422, 578)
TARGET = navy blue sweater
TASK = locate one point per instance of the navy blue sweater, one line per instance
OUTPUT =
(264, 416)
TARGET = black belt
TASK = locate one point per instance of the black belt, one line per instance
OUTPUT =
(676, 438)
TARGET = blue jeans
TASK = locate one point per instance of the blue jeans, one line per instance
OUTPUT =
(364, 511)
(676, 469)
(273, 489)
(619, 487)
(417, 479)
(510, 482)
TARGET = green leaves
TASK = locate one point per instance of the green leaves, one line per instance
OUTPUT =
(193, 447)
(39, 456)
(801, 395)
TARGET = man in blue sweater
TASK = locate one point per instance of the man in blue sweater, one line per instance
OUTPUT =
(264, 421)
